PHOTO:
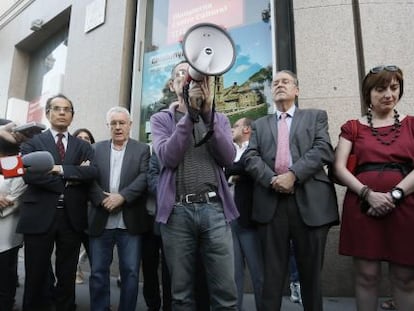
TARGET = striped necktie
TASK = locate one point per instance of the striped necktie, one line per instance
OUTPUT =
(60, 146)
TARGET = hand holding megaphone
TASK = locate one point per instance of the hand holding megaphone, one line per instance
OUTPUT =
(210, 51)
(197, 98)
(199, 95)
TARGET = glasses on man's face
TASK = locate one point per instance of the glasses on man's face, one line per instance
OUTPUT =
(378, 69)
(61, 109)
(180, 73)
(114, 124)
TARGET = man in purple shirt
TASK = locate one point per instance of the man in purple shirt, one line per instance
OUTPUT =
(195, 206)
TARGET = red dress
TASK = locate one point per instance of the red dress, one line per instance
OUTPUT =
(388, 238)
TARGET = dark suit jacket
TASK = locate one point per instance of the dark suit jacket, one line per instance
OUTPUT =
(310, 149)
(133, 187)
(243, 194)
(43, 191)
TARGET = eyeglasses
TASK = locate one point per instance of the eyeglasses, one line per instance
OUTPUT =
(114, 124)
(391, 68)
(61, 109)
(180, 73)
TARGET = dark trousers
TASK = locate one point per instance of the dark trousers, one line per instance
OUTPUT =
(309, 246)
(85, 242)
(38, 251)
(152, 248)
(151, 253)
(8, 278)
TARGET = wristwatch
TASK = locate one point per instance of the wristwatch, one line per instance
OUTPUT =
(397, 194)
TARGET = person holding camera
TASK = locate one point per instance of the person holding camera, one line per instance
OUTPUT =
(10, 242)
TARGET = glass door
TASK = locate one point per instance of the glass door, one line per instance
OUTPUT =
(242, 91)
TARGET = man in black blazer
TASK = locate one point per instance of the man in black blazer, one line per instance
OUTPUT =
(296, 202)
(247, 250)
(118, 215)
(54, 211)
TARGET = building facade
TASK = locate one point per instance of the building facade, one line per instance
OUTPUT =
(103, 53)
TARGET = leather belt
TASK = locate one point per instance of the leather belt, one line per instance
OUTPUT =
(205, 197)
(404, 168)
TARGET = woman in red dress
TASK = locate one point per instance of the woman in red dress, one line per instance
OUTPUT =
(378, 211)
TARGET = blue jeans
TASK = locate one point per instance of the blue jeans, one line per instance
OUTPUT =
(193, 228)
(101, 254)
(293, 269)
(247, 250)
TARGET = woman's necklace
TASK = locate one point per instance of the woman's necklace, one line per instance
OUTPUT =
(395, 129)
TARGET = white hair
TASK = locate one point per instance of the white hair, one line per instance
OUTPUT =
(117, 109)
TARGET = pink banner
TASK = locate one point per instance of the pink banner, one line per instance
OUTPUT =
(185, 13)
(35, 112)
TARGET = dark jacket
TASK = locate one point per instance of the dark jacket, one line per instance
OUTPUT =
(133, 187)
(41, 197)
(243, 191)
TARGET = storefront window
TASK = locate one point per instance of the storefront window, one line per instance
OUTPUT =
(242, 91)
(45, 78)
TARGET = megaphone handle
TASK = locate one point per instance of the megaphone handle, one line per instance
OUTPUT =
(210, 128)
(194, 113)
(211, 125)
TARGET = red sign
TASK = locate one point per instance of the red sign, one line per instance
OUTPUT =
(12, 166)
(35, 111)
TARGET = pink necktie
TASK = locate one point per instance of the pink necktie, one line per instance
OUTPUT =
(282, 152)
(60, 147)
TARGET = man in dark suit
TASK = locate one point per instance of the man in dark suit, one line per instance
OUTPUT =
(247, 250)
(118, 214)
(293, 196)
(54, 210)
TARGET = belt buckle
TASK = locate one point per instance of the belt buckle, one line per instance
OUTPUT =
(211, 196)
(187, 196)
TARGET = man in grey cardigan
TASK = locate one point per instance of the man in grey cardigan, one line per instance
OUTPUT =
(118, 215)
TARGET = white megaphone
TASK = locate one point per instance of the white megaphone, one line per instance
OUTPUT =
(209, 50)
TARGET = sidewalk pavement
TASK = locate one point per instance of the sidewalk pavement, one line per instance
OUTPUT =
(82, 297)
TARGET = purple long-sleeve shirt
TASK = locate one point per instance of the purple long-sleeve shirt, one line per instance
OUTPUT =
(171, 141)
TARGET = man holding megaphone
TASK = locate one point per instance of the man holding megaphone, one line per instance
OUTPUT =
(195, 206)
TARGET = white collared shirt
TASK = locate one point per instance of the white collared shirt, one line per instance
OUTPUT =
(240, 150)
(290, 114)
(117, 157)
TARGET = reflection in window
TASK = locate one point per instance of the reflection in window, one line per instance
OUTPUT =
(46, 74)
(242, 91)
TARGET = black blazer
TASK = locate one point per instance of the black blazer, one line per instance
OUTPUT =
(243, 192)
(133, 187)
(41, 196)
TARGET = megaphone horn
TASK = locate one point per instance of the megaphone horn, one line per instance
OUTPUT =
(209, 50)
